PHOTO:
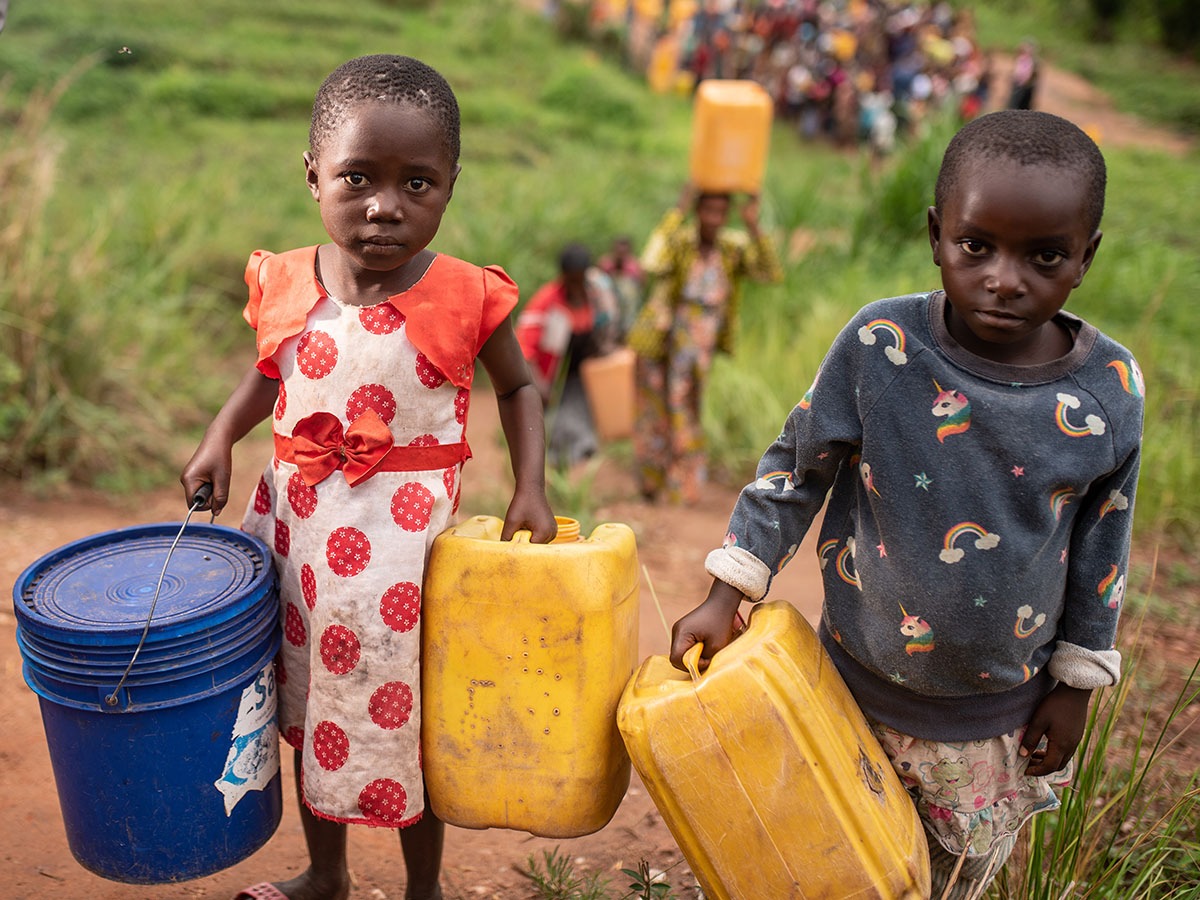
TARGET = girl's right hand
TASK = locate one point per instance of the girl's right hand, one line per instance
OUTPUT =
(711, 624)
(211, 464)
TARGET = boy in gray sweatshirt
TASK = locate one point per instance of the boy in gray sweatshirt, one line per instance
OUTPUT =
(979, 449)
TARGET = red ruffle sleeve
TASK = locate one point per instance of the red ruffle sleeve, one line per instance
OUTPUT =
(450, 313)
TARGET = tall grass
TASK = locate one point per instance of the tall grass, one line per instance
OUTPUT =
(84, 342)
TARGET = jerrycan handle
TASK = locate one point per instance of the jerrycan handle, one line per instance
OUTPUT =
(568, 532)
(691, 660)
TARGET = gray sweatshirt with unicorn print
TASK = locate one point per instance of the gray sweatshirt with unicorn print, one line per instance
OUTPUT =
(975, 543)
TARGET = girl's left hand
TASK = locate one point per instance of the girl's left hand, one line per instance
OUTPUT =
(530, 510)
(1060, 718)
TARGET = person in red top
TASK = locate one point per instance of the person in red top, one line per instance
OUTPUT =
(366, 352)
(567, 320)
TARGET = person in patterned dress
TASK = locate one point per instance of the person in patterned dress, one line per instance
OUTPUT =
(366, 352)
(976, 450)
(697, 266)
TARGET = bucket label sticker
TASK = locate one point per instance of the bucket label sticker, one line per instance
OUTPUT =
(253, 756)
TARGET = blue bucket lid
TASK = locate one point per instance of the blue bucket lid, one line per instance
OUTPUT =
(98, 590)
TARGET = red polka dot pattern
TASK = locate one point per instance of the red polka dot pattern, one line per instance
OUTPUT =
(308, 585)
(340, 649)
(391, 705)
(429, 374)
(400, 607)
(412, 505)
(262, 497)
(349, 695)
(371, 396)
(347, 551)
(330, 746)
(316, 354)
(301, 497)
(283, 538)
(384, 801)
(381, 319)
(293, 626)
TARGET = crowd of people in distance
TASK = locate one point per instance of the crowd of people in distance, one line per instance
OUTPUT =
(856, 72)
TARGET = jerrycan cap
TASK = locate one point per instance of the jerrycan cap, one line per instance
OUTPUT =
(568, 530)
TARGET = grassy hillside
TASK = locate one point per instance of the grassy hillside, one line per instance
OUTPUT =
(131, 201)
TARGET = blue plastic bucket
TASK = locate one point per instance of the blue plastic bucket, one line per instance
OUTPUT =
(176, 774)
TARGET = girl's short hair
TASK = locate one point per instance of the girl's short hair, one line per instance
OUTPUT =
(389, 79)
(1027, 137)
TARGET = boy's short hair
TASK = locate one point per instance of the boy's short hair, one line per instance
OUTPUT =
(384, 78)
(1027, 137)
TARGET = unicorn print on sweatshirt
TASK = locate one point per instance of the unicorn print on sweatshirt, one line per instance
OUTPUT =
(955, 408)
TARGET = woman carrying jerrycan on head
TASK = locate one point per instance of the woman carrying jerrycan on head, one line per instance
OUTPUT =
(366, 352)
(690, 315)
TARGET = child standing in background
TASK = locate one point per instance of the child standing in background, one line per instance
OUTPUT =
(366, 353)
(980, 450)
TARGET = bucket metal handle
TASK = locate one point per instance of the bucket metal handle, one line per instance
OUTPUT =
(199, 499)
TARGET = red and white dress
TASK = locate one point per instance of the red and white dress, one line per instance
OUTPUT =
(370, 438)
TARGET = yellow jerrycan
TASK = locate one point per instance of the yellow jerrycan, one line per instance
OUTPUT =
(526, 648)
(766, 772)
(731, 133)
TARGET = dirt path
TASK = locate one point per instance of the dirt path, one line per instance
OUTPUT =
(1073, 97)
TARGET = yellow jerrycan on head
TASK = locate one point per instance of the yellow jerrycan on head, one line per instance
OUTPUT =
(766, 772)
(526, 648)
(731, 134)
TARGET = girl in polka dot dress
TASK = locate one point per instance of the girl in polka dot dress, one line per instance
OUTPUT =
(366, 351)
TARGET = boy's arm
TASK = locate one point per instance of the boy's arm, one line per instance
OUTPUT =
(1085, 656)
(212, 463)
(520, 407)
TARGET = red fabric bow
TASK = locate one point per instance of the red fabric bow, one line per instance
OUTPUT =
(321, 447)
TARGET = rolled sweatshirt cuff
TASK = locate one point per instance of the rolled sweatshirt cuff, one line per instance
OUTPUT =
(740, 569)
(1079, 667)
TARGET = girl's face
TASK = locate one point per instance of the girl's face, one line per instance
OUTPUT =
(1012, 242)
(383, 178)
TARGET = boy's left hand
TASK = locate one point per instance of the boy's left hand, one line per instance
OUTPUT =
(530, 510)
(1060, 718)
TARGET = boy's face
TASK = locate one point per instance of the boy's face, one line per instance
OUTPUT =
(383, 179)
(1012, 242)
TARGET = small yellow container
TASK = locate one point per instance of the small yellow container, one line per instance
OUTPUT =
(767, 774)
(608, 382)
(526, 648)
(731, 134)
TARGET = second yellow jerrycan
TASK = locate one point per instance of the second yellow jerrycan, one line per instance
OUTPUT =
(766, 772)
(526, 648)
